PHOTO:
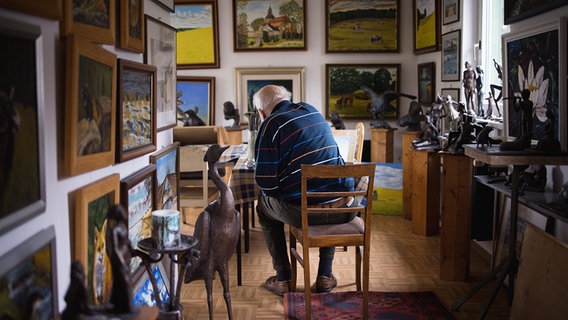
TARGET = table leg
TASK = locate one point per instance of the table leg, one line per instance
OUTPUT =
(510, 265)
(246, 225)
(239, 264)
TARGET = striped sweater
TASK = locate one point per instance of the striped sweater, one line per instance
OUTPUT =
(292, 135)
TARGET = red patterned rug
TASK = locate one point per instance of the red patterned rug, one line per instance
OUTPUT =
(382, 305)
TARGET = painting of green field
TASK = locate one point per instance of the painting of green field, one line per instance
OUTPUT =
(363, 35)
(426, 32)
(195, 46)
(387, 189)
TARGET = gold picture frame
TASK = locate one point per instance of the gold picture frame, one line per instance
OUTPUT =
(51, 9)
(90, 102)
(80, 20)
(92, 203)
(132, 26)
(426, 26)
(249, 80)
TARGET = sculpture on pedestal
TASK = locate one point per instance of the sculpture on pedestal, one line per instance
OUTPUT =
(232, 113)
(380, 104)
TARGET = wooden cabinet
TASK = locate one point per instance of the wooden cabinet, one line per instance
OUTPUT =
(382, 141)
(234, 136)
(455, 216)
(407, 138)
(425, 192)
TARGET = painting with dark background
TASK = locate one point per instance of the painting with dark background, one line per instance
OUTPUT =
(254, 85)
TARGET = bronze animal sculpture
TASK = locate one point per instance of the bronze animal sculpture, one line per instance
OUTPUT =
(232, 113)
(217, 229)
(380, 104)
(192, 119)
(337, 121)
(484, 139)
(414, 118)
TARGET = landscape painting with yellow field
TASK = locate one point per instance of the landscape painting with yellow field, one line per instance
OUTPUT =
(197, 38)
(427, 24)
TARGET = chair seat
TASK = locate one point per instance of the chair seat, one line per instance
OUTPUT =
(355, 226)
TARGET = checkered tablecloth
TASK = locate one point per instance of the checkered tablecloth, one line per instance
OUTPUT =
(242, 181)
(233, 152)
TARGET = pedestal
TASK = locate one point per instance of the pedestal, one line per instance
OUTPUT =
(234, 135)
(407, 138)
(456, 221)
(382, 144)
(425, 192)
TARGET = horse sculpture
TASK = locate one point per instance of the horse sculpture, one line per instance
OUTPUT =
(380, 104)
(217, 229)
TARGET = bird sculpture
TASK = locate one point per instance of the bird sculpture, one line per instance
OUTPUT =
(217, 231)
(380, 104)
(232, 113)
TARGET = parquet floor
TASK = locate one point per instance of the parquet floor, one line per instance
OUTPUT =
(400, 261)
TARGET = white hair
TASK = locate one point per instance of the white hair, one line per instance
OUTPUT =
(269, 96)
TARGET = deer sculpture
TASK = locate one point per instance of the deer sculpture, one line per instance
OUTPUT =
(217, 230)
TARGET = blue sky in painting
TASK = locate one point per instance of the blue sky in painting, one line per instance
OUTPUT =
(389, 176)
(195, 94)
(191, 16)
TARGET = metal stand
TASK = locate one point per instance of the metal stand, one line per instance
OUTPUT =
(150, 253)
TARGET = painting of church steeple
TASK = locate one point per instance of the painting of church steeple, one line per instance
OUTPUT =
(270, 25)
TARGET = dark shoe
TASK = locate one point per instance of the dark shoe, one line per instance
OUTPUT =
(278, 287)
(325, 284)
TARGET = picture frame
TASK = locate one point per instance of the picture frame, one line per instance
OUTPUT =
(92, 203)
(137, 196)
(132, 25)
(268, 35)
(28, 274)
(426, 82)
(518, 10)
(161, 52)
(23, 106)
(50, 9)
(362, 26)
(168, 5)
(197, 34)
(143, 292)
(250, 80)
(167, 177)
(451, 51)
(136, 110)
(450, 11)
(196, 92)
(90, 119)
(95, 23)
(548, 73)
(426, 26)
(343, 91)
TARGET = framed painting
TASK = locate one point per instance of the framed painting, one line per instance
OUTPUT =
(343, 92)
(197, 34)
(90, 119)
(426, 82)
(517, 10)
(452, 92)
(143, 293)
(87, 21)
(136, 110)
(92, 204)
(137, 197)
(250, 80)
(161, 52)
(264, 25)
(196, 100)
(131, 35)
(167, 5)
(451, 50)
(533, 60)
(362, 26)
(21, 126)
(167, 177)
(450, 11)
(51, 9)
(426, 26)
(28, 277)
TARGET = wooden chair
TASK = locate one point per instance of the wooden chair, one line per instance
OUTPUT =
(350, 143)
(354, 233)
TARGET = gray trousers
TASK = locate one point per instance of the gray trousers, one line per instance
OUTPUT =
(274, 213)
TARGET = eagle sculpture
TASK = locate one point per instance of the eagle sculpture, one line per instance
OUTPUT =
(380, 104)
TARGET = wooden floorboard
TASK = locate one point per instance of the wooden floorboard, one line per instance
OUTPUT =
(400, 261)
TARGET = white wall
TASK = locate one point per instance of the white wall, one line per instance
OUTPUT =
(59, 189)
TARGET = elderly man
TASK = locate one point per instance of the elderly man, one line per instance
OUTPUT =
(292, 134)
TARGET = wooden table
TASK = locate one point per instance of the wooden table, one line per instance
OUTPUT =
(493, 156)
